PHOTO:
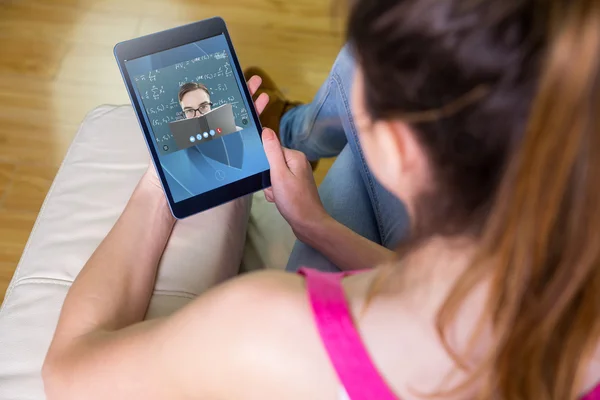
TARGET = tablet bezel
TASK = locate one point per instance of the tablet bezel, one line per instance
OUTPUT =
(165, 40)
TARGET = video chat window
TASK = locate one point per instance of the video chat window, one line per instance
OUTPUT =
(203, 132)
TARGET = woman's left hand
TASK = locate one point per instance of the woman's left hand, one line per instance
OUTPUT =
(261, 102)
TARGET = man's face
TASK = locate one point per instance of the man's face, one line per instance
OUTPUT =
(195, 103)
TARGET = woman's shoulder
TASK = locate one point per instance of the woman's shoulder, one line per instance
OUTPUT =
(272, 290)
(258, 296)
(262, 323)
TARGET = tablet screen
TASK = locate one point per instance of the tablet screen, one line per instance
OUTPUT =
(203, 131)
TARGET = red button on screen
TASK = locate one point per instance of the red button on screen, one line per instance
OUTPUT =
(219, 130)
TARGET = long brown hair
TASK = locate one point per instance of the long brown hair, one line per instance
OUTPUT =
(519, 169)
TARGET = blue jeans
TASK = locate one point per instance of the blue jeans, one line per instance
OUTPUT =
(349, 192)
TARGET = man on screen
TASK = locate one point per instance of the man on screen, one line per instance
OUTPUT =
(194, 99)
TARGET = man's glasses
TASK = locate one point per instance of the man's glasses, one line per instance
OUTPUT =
(203, 109)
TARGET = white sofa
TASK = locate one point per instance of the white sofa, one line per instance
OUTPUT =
(103, 165)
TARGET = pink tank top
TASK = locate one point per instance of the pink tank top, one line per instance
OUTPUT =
(349, 357)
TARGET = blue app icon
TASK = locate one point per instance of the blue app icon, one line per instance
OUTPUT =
(205, 134)
(199, 136)
(212, 132)
(192, 139)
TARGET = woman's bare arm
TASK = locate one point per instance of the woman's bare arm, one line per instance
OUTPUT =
(113, 289)
(252, 337)
(341, 245)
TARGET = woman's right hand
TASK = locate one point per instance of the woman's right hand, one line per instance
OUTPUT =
(293, 189)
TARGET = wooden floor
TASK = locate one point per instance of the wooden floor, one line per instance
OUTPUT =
(56, 64)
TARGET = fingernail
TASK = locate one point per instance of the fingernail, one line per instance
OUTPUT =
(268, 134)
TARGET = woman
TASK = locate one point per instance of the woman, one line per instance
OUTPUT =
(483, 118)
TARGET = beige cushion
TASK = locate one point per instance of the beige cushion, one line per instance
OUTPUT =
(101, 169)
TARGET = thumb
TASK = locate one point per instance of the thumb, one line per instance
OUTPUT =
(274, 151)
(269, 195)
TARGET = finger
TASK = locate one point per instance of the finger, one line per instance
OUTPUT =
(261, 102)
(254, 84)
(274, 153)
(269, 195)
(297, 163)
(293, 158)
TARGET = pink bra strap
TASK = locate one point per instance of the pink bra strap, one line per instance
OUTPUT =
(594, 394)
(347, 353)
(349, 357)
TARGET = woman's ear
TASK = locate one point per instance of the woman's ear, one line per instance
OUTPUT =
(391, 148)
(395, 157)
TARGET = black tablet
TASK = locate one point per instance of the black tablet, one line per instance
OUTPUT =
(196, 113)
